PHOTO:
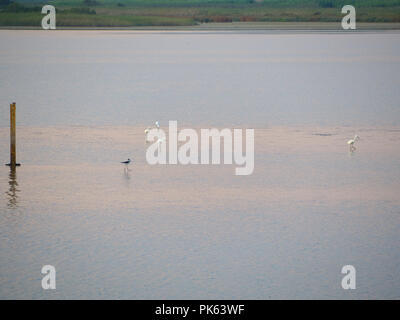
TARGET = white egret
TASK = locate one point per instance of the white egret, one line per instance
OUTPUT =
(352, 142)
(146, 132)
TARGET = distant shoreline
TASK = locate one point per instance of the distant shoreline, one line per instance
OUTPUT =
(210, 14)
(240, 26)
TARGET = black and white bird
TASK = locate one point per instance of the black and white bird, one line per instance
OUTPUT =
(126, 162)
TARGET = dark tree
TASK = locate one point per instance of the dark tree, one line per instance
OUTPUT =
(4, 3)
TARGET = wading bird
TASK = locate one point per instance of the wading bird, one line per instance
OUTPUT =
(352, 142)
(147, 130)
(126, 162)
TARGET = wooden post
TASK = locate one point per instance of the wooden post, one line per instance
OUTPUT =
(13, 155)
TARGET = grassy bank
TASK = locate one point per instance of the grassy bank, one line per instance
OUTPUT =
(84, 20)
(131, 13)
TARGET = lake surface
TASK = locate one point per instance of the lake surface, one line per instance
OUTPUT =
(130, 78)
(84, 99)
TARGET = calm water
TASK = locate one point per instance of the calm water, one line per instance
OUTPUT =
(186, 232)
(130, 78)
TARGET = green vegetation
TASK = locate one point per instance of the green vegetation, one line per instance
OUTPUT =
(126, 13)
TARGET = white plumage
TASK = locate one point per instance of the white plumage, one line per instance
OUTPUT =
(352, 142)
(147, 130)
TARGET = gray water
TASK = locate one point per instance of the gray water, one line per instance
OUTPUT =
(200, 232)
(130, 78)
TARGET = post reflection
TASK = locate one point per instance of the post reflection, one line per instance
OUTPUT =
(13, 190)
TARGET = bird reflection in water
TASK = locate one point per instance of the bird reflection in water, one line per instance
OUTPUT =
(13, 190)
(127, 173)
